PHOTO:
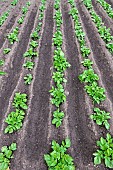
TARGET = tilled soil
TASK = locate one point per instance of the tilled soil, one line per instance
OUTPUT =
(34, 139)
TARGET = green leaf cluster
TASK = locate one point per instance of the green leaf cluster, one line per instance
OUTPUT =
(6, 50)
(105, 151)
(14, 2)
(88, 76)
(12, 37)
(3, 18)
(96, 92)
(58, 95)
(57, 118)
(5, 155)
(15, 118)
(28, 79)
(107, 7)
(87, 63)
(102, 29)
(58, 159)
(101, 117)
(29, 65)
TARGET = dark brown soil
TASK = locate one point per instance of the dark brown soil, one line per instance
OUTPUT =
(34, 139)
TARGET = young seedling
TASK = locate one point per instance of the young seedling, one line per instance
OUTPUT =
(30, 53)
(3, 18)
(24, 10)
(13, 36)
(14, 2)
(101, 117)
(28, 79)
(2, 73)
(14, 121)
(105, 151)
(88, 76)
(28, 3)
(1, 62)
(96, 92)
(6, 50)
(5, 155)
(29, 65)
(58, 95)
(20, 101)
(58, 117)
(58, 77)
(58, 159)
(35, 35)
(87, 63)
(21, 20)
(33, 44)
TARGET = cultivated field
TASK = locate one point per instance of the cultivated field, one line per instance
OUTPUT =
(59, 54)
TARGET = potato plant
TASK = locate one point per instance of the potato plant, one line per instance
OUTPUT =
(105, 151)
(6, 155)
(58, 159)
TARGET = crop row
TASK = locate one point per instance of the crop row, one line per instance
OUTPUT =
(97, 93)
(102, 30)
(58, 159)
(15, 118)
(13, 36)
(6, 14)
(107, 7)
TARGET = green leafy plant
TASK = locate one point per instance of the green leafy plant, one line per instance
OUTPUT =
(2, 73)
(35, 35)
(28, 3)
(1, 62)
(58, 117)
(88, 76)
(14, 121)
(29, 65)
(6, 50)
(85, 51)
(24, 10)
(14, 2)
(5, 155)
(96, 92)
(33, 44)
(21, 20)
(12, 37)
(58, 159)
(60, 62)
(110, 47)
(58, 95)
(3, 18)
(57, 39)
(30, 53)
(28, 79)
(87, 63)
(58, 77)
(101, 117)
(20, 101)
(105, 151)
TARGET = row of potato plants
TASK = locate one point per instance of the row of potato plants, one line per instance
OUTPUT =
(15, 119)
(58, 159)
(13, 36)
(107, 7)
(96, 92)
(102, 29)
(31, 52)
(6, 14)
(2, 20)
